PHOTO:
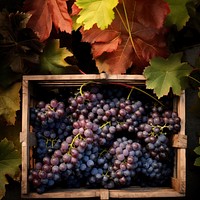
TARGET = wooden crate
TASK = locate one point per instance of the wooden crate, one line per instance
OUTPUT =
(179, 142)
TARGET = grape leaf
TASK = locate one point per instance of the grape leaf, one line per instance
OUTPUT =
(134, 37)
(197, 162)
(98, 12)
(18, 44)
(10, 102)
(197, 150)
(74, 16)
(46, 12)
(11, 132)
(194, 20)
(7, 76)
(12, 21)
(178, 13)
(163, 74)
(53, 58)
(9, 163)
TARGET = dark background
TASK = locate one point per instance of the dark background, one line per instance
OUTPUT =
(192, 120)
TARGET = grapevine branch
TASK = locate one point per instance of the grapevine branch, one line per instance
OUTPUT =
(121, 84)
(194, 79)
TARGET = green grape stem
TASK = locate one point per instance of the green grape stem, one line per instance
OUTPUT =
(84, 84)
(140, 90)
(50, 108)
(194, 79)
(124, 85)
(129, 95)
(106, 174)
(105, 124)
(104, 151)
(53, 141)
(71, 145)
(160, 127)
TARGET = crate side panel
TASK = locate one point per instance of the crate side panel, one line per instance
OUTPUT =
(78, 80)
(144, 192)
(179, 141)
(69, 193)
(84, 77)
(180, 144)
(181, 153)
(25, 139)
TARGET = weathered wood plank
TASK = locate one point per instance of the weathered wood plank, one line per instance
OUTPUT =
(24, 136)
(83, 77)
(144, 192)
(179, 141)
(181, 153)
(104, 194)
(67, 193)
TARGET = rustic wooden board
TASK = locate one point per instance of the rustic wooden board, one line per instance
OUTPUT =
(104, 194)
(24, 136)
(68, 193)
(144, 192)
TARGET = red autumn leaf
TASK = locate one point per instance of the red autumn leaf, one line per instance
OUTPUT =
(102, 40)
(131, 42)
(46, 12)
(75, 10)
(151, 13)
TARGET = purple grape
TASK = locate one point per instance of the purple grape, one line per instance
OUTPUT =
(53, 103)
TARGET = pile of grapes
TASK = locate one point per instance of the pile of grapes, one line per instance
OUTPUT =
(102, 137)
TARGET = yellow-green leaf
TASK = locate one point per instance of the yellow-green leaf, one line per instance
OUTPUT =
(54, 57)
(76, 25)
(197, 150)
(178, 13)
(98, 12)
(10, 102)
(163, 74)
(197, 162)
(9, 163)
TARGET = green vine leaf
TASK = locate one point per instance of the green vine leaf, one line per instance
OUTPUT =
(10, 102)
(9, 163)
(197, 150)
(98, 12)
(178, 13)
(197, 162)
(53, 58)
(163, 74)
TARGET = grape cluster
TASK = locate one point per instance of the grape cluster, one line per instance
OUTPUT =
(125, 155)
(51, 126)
(152, 171)
(101, 138)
